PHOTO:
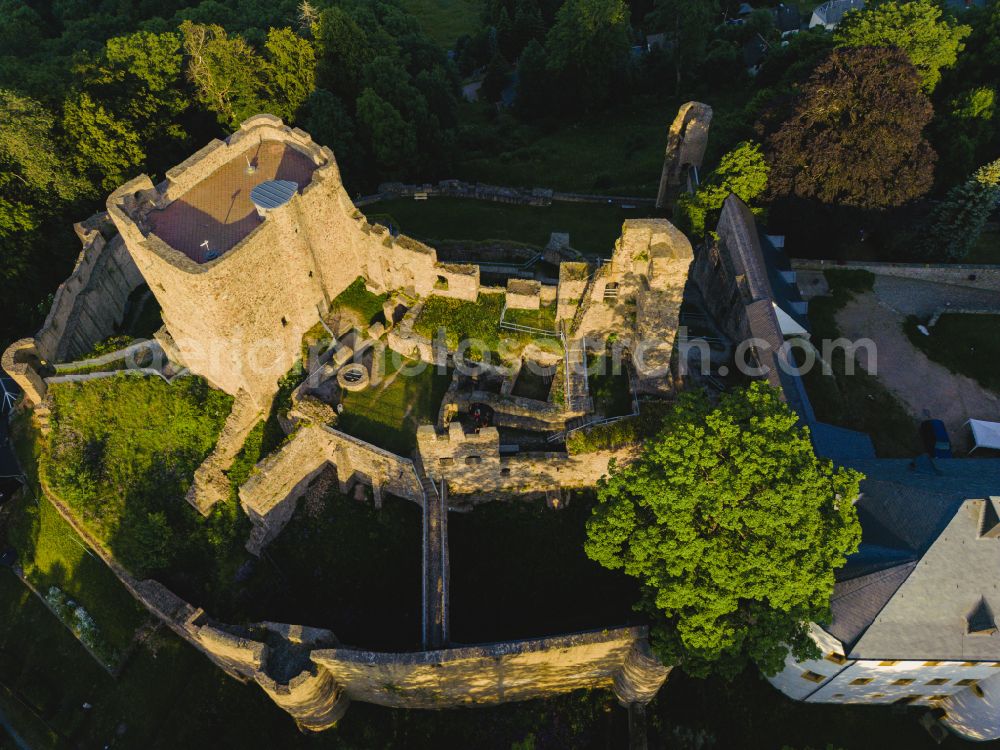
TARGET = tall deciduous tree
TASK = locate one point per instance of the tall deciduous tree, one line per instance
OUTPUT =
(856, 136)
(107, 149)
(588, 49)
(956, 223)
(225, 72)
(688, 25)
(389, 137)
(742, 171)
(930, 41)
(733, 526)
(289, 72)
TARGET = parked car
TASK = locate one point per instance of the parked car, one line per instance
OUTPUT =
(935, 437)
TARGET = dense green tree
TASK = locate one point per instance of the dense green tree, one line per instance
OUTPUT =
(496, 79)
(917, 27)
(389, 137)
(145, 72)
(688, 25)
(327, 120)
(957, 223)
(733, 526)
(107, 150)
(742, 171)
(533, 82)
(343, 51)
(855, 137)
(289, 72)
(32, 175)
(225, 72)
(588, 49)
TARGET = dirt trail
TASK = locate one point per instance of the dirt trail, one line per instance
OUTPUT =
(924, 387)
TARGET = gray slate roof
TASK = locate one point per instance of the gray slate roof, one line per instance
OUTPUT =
(924, 571)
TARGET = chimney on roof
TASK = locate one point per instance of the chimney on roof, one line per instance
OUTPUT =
(989, 527)
(980, 620)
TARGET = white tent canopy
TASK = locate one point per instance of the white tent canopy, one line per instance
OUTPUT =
(984, 434)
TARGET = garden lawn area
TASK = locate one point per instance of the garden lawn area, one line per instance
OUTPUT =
(347, 566)
(358, 299)
(611, 391)
(859, 401)
(965, 344)
(544, 318)
(593, 228)
(51, 553)
(518, 570)
(615, 152)
(445, 21)
(986, 250)
(388, 414)
(480, 321)
(122, 453)
(462, 319)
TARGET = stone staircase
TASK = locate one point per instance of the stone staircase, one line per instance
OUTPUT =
(577, 384)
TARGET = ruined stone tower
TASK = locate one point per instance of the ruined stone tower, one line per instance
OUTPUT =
(238, 289)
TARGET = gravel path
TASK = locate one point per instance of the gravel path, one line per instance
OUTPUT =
(924, 298)
(926, 388)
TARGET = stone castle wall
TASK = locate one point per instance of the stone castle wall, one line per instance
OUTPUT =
(959, 274)
(471, 464)
(270, 495)
(87, 307)
(686, 144)
(238, 320)
(91, 303)
(499, 672)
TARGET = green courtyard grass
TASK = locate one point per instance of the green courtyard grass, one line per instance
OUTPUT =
(462, 319)
(122, 453)
(445, 21)
(593, 228)
(357, 299)
(347, 566)
(615, 152)
(52, 554)
(544, 318)
(388, 414)
(859, 401)
(967, 344)
(986, 249)
(479, 321)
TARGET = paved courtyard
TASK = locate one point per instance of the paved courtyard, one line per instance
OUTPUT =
(925, 388)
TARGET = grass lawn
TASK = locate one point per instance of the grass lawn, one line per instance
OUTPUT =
(445, 21)
(343, 565)
(616, 152)
(51, 554)
(122, 453)
(388, 414)
(358, 299)
(593, 228)
(480, 321)
(859, 401)
(518, 570)
(544, 318)
(462, 319)
(965, 344)
(986, 250)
